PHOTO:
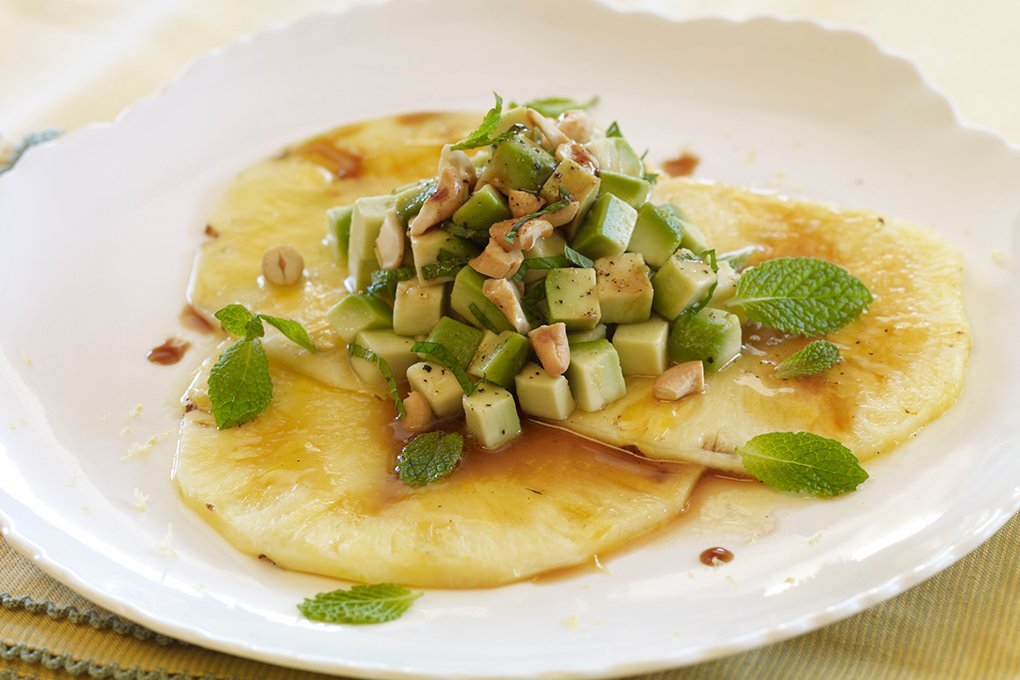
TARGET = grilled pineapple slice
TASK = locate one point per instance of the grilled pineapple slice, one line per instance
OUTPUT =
(903, 360)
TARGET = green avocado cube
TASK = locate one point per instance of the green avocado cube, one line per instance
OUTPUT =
(642, 347)
(606, 229)
(366, 222)
(439, 387)
(518, 163)
(625, 288)
(490, 414)
(427, 248)
(576, 181)
(727, 286)
(658, 232)
(594, 375)
(418, 308)
(597, 333)
(694, 238)
(632, 190)
(460, 339)
(500, 361)
(339, 219)
(543, 395)
(467, 293)
(355, 313)
(571, 295)
(615, 154)
(485, 207)
(550, 246)
(680, 283)
(394, 349)
(711, 335)
(408, 201)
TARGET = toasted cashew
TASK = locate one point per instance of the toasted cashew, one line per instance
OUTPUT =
(523, 203)
(579, 154)
(564, 214)
(283, 265)
(533, 231)
(680, 381)
(497, 263)
(552, 134)
(575, 124)
(505, 295)
(417, 413)
(456, 177)
(551, 347)
(389, 245)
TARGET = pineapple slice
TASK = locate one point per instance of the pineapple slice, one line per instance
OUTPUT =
(903, 360)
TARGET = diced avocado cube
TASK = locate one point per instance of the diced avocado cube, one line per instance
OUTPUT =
(657, 234)
(500, 361)
(460, 339)
(615, 154)
(366, 221)
(518, 163)
(550, 246)
(426, 248)
(543, 395)
(625, 288)
(680, 283)
(597, 333)
(467, 291)
(485, 207)
(575, 180)
(727, 287)
(439, 387)
(632, 190)
(408, 202)
(418, 308)
(339, 219)
(394, 349)
(491, 416)
(594, 375)
(606, 229)
(711, 335)
(355, 313)
(642, 347)
(694, 239)
(571, 295)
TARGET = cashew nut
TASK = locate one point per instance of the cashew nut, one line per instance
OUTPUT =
(579, 154)
(505, 295)
(551, 133)
(417, 413)
(563, 215)
(523, 203)
(551, 347)
(575, 124)
(533, 231)
(497, 263)
(456, 177)
(389, 245)
(680, 381)
(283, 265)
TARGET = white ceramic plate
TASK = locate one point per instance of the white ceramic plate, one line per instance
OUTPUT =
(100, 227)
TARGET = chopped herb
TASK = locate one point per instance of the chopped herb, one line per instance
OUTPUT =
(815, 357)
(554, 106)
(368, 355)
(738, 258)
(613, 130)
(444, 356)
(480, 236)
(577, 258)
(565, 200)
(363, 604)
(384, 281)
(483, 135)
(529, 263)
(530, 304)
(483, 318)
(429, 457)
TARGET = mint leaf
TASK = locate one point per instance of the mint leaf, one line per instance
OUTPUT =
(386, 280)
(239, 384)
(802, 462)
(483, 135)
(613, 130)
(577, 258)
(554, 106)
(293, 331)
(445, 357)
(801, 295)
(813, 358)
(235, 319)
(384, 368)
(483, 318)
(377, 603)
(549, 262)
(428, 457)
(738, 258)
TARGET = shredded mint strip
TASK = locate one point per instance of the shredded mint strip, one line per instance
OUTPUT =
(368, 355)
(445, 357)
(613, 130)
(482, 318)
(377, 603)
(240, 387)
(483, 135)
(577, 258)
(530, 304)
(802, 462)
(429, 457)
(814, 358)
(478, 236)
(801, 295)
(554, 106)
(511, 235)
(439, 269)
(384, 281)
(550, 262)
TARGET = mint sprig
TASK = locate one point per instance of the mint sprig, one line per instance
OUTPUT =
(812, 359)
(364, 604)
(240, 387)
(483, 136)
(802, 462)
(429, 457)
(801, 295)
(554, 106)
